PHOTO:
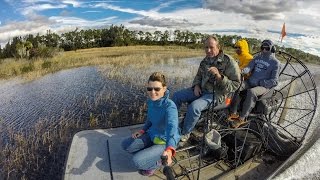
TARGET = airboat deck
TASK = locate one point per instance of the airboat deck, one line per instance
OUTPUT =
(97, 154)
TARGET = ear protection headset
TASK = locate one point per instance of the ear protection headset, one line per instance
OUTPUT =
(270, 44)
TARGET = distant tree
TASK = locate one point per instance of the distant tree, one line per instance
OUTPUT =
(51, 39)
(1, 55)
(165, 38)
(157, 36)
(148, 38)
(28, 45)
(141, 36)
(177, 37)
(46, 45)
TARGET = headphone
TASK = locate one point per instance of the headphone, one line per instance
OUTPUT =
(270, 44)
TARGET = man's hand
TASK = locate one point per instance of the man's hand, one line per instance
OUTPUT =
(214, 71)
(168, 153)
(197, 90)
(136, 134)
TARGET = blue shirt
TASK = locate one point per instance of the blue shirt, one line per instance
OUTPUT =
(264, 71)
(162, 120)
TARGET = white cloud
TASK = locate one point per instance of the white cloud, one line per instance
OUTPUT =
(79, 22)
(74, 3)
(127, 10)
(23, 28)
(30, 10)
(58, 24)
(257, 9)
(92, 12)
(37, 1)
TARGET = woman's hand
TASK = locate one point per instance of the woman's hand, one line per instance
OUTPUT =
(136, 134)
(168, 153)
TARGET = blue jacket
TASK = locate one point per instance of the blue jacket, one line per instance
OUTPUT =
(162, 120)
(265, 70)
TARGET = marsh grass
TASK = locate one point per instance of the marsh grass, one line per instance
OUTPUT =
(118, 56)
(41, 151)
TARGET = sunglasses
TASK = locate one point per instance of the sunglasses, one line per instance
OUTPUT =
(267, 48)
(157, 89)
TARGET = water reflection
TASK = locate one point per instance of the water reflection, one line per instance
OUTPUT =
(22, 104)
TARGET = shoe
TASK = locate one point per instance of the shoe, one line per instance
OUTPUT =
(184, 138)
(181, 144)
(233, 117)
(238, 122)
(146, 172)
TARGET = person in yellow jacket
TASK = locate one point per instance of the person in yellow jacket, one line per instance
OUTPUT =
(243, 55)
(244, 58)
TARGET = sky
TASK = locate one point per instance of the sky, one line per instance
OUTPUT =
(261, 19)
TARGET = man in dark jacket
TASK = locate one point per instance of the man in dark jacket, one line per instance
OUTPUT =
(264, 69)
(217, 73)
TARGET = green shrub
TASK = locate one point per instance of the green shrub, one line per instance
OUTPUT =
(27, 68)
(43, 52)
(46, 64)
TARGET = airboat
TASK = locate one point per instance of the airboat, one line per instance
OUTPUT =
(276, 129)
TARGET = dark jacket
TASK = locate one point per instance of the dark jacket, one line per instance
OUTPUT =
(228, 68)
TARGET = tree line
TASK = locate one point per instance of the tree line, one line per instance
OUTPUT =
(33, 46)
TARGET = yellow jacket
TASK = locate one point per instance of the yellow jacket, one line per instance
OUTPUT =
(245, 57)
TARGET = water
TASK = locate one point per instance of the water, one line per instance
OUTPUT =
(23, 104)
(307, 166)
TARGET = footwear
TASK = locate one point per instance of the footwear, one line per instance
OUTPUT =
(146, 172)
(185, 137)
(239, 122)
(181, 144)
(233, 117)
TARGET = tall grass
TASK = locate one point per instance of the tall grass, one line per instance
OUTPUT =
(40, 152)
(31, 69)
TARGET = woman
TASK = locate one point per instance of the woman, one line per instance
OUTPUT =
(160, 133)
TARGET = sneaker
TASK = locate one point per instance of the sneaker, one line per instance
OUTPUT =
(181, 144)
(185, 137)
(233, 117)
(146, 172)
(239, 122)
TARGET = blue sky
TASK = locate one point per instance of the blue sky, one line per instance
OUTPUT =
(248, 18)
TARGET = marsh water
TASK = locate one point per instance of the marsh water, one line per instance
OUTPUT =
(22, 104)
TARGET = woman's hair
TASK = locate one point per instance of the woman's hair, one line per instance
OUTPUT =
(158, 76)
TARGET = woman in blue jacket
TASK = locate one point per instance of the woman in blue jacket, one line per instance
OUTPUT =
(160, 133)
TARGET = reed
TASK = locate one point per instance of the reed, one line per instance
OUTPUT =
(31, 69)
(40, 152)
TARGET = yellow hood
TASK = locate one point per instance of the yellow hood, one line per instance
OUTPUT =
(245, 57)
